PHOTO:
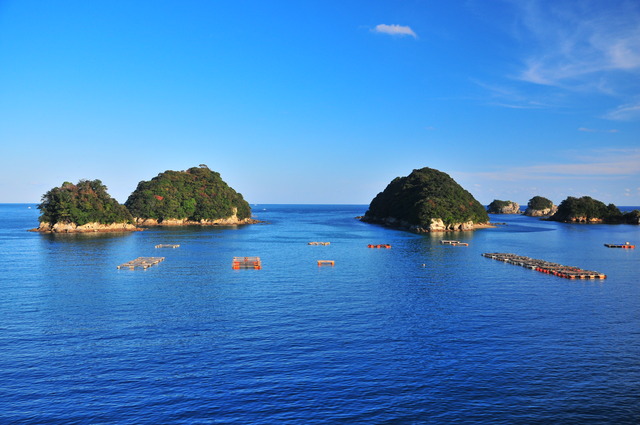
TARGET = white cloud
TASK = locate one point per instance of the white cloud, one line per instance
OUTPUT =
(395, 30)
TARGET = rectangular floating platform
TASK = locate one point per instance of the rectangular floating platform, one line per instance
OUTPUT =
(386, 245)
(167, 245)
(620, 245)
(453, 243)
(319, 243)
(246, 263)
(141, 262)
(326, 263)
(567, 272)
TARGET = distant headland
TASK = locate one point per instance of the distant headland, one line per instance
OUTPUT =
(197, 196)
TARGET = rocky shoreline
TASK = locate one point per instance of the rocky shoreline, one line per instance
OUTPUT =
(140, 225)
(436, 226)
(231, 221)
(46, 227)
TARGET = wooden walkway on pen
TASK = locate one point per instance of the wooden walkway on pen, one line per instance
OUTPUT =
(141, 262)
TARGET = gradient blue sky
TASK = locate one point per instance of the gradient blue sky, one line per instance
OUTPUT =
(323, 101)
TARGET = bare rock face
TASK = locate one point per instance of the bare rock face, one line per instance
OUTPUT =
(85, 228)
(546, 212)
(437, 225)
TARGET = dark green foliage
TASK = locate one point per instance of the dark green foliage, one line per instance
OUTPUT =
(196, 194)
(632, 217)
(539, 203)
(496, 206)
(82, 203)
(424, 195)
(586, 208)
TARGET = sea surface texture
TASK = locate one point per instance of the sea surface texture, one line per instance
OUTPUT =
(419, 333)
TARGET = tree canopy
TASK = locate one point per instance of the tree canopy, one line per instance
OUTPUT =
(195, 194)
(82, 203)
(424, 195)
(588, 208)
(539, 203)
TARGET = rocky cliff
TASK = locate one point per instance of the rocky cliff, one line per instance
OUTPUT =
(545, 212)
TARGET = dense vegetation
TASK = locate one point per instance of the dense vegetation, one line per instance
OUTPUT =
(539, 203)
(196, 194)
(82, 203)
(587, 209)
(496, 206)
(424, 195)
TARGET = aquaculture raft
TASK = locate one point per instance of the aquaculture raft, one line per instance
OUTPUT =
(326, 263)
(167, 245)
(319, 243)
(620, 245)
(453, 243)
(542, 266)
(141, 262)
(246, 263)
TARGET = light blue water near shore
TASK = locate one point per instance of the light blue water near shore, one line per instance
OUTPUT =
(419, 333)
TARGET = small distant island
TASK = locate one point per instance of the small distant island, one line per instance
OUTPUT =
(427, 200)
(589, 210)
(503, 207)
(539, 206)
(197, 196)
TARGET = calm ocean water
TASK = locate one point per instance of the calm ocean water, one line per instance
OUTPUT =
(418, 334)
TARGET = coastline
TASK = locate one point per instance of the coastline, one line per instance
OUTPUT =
(141, 225)
(437, 226)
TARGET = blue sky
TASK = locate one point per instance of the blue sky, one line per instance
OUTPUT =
(323, 101)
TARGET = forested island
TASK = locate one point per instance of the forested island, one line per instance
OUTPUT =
(197, 196)
(82, 207)
(589, 210)
(427, 200)
(539, 206)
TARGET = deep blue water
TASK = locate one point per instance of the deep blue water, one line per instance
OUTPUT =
(420, 333)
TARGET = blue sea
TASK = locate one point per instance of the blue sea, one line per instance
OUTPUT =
(421, 333)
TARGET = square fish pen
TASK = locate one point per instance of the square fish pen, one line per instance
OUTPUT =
(246, 263)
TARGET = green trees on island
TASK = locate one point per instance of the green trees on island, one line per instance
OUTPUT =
(589, 210)
(539, 203)
(196, 194)
(424, 195)
(497, 205)
(82, 203)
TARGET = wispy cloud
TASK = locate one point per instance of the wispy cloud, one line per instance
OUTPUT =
(609, 163)
(568, 49)
(626, 112)
(395, 30)
(595, 130)
(576, 41)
